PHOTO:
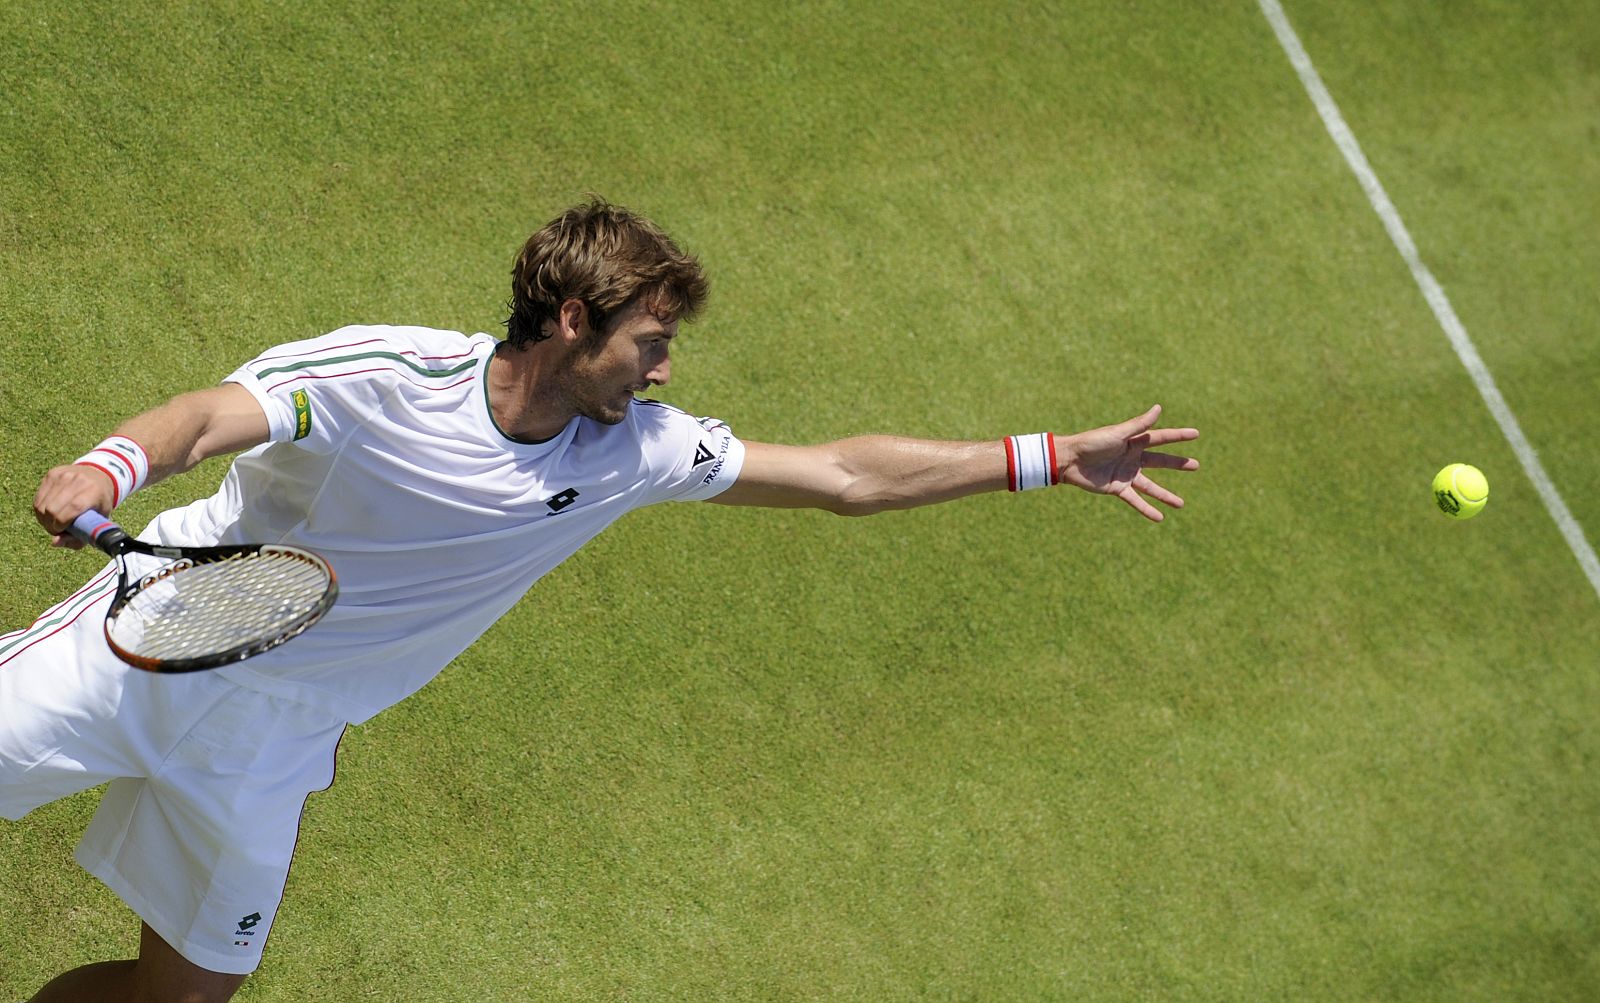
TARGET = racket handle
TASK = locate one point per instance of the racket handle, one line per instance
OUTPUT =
(93, 528)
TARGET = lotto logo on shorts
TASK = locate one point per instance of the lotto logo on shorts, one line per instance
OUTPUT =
(246, 925)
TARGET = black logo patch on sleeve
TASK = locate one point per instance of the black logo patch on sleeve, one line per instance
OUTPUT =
(702, 454)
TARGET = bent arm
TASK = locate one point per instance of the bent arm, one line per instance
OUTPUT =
(193, 427)
(175, 436)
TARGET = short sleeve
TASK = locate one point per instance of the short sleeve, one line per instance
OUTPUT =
(688, 458)
(314, 391)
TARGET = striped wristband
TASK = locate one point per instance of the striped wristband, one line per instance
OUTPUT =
(1031, 461)
(122, 460)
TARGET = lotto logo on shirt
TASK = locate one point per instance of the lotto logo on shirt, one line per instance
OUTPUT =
(302, 414)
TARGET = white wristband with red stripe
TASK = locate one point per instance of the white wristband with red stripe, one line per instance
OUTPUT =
(122, 460)
(1031, 461)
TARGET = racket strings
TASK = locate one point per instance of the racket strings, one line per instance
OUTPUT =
(195, 610)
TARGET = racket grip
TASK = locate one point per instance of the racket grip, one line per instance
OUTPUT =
(93, 528)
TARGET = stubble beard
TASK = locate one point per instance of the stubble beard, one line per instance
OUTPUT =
(588, 396)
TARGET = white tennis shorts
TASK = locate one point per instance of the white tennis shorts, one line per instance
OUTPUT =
(208, 780)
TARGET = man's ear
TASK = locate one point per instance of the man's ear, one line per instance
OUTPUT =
(572, 322)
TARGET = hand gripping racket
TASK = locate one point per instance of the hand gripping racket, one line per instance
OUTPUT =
(212, 605)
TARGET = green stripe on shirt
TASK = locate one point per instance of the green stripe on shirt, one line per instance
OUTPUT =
(74, 607)
(391, 356)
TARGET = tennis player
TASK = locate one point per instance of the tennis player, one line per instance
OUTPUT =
(442, 475)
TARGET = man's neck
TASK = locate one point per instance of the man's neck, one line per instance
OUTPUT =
(522, 400)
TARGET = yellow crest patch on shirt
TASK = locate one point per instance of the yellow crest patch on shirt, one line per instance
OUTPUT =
(302, 414)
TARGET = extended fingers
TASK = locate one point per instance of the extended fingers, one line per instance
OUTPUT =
(1139, 424)
(1156, 491)
(1167, 436)
(1168, 461)
(1139, 505)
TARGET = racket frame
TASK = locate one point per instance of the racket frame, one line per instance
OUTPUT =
(93, 528)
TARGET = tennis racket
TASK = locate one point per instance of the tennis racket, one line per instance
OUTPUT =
(210, 606)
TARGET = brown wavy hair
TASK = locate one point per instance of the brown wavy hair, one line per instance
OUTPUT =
(605, 256)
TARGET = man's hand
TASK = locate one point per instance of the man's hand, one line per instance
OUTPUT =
(175, 436)
(66, 493)
(1112, 461)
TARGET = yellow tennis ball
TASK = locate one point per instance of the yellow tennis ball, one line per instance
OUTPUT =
(1461, 490)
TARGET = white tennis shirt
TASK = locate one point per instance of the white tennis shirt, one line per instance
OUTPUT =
(384, 458)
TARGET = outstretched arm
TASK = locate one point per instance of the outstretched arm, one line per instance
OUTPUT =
(868, 474)
(175, 437)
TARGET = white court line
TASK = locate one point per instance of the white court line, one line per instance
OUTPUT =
(1432, 291)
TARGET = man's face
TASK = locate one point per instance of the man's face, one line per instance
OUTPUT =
(598, 380)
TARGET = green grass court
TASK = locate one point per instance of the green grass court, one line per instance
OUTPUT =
(1307, 740)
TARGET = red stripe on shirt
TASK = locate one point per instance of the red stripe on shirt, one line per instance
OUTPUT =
(63, 604)
(380, 369)
(86, 608)
(353, 344)
(307, 355)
